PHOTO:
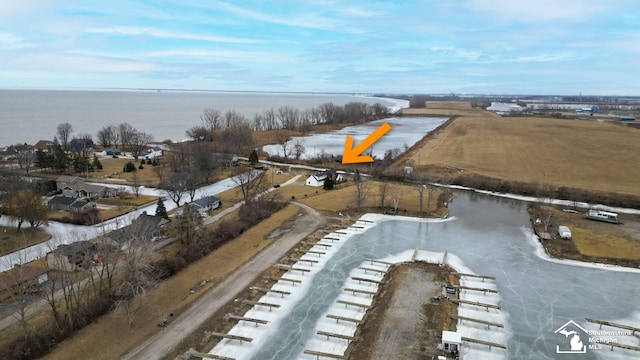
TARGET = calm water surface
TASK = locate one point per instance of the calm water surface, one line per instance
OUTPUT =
(32, 115)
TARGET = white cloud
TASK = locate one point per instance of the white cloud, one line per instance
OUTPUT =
(307, 20)
(12, 42)
(159, 33)
(221, 54)
(541, 10)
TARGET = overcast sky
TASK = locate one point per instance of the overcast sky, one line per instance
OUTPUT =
(436, 46)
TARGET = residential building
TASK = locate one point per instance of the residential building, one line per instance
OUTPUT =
(318, 179)
(143, 229)
(73, 186)
(73, 257)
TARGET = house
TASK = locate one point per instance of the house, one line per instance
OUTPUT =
(22, 278)
(153, 152)
(73, 186)
(318, 179)
(44, 146)
(451, 341)
(206, 204)
(61, 203)
(81, 145)
(143, 229)
(225, 160)
(73, 257)
(203, 205)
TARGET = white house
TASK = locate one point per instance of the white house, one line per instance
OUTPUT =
(318, 179)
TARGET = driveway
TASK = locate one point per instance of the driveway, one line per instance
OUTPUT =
(169, 337)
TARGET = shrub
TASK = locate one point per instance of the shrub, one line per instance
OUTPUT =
(140, 167)
(129, 167)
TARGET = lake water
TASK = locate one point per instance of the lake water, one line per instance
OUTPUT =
(404, 131)
(491, 236)
(32, 115)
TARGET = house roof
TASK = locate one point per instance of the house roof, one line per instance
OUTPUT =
(76, 252)
(206, 201)
(144, 225)
(67, 179)
(43, 144)
(79, 204)
(62, 200)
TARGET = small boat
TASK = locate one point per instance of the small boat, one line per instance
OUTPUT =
(601, 215)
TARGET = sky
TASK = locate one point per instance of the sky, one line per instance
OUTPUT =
(588, 47)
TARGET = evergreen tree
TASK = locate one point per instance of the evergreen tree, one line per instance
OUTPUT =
(253, 157)
(96, 163)
(328, 183)
(161, 210)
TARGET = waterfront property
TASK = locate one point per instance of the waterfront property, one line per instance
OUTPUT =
(75, 187)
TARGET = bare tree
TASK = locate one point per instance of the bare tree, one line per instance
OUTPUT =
(383, 188)
(25, 159)
(27, 206)
(211, 119)
(160, 170)
(421, 187)
(251, 183)
(176, 187)
(395, 195)
(199, 133)
(298, 149)
(282, 138)
(126, 132)
(19, 282)
(362, 190)
(108, 136)
(64, 134)
(135, 186)
(139, 142)
(137, 275)
(202, 159)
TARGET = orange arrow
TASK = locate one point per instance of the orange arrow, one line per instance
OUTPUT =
(352, 155)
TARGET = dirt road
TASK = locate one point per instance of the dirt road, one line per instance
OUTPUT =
(171, 336)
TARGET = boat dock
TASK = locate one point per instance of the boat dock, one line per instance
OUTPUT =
(259, 303)
(319, 354)
(351, 303)
(476, 289)
(265, 290)
(488, 323)
(482, 342)
(231, 337)
(337, 336)
(358, 291)
(242, 318)
(475, 303)
(483, 277)
(202, 355)
(620, 326)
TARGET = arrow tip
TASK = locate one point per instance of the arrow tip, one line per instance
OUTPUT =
(351, 155)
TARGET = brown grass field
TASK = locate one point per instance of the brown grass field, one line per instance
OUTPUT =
(114, 337)
(342, 197)
(12, 240)
(573, 153)
(111, 166)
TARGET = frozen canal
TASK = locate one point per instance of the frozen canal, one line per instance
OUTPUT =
(404, 131)
(491, 236)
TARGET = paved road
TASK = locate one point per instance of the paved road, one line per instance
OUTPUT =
(169, 337)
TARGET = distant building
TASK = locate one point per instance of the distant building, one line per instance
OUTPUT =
(203, 205)
(142, 230)
(44, 145)
(317, 179)
(75, 187)
(627, 118)
(225, 160)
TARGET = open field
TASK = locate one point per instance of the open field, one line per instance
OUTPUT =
(112, 169)
(171, 296)
(12, 240)
(595, 240)
(585, 154)
(342, 197)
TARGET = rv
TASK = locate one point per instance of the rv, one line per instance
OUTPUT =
(600, 215)
(564, 232)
